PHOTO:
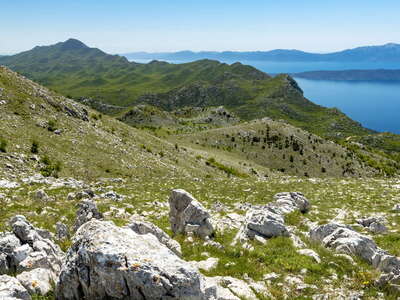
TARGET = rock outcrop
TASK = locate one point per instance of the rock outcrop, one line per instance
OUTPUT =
(29, 250)
(11, 289)
(344, 239)
(87, 210)
(143, 227)
(106, 261)
(188, 215)
(373, 224)
(268, 221)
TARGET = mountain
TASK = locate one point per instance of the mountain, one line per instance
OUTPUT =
(352, 75)
(77, 71)
(84, 205)
(384, 53)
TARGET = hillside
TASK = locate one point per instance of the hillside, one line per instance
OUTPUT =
(287, 149)
(383, 53)
(352, 75)
(66, 167)
(78, 71)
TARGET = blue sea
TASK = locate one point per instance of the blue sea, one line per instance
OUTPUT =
(375, 104)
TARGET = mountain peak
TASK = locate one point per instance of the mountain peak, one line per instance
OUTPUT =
(391, 45)
(71, 44)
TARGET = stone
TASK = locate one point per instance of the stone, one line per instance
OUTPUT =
(37, 281)
(62, 231)
(11, 288)
(206, 265)
(8, 243)
(345, 240)
(40, 195)
(311, 253)
(36, 250)
(113, 195)
(377, 228)
(396, 207)
(291, 201)
(263, 223)
(188, 215)
(374, 224)
(143, 227)
(87, 210)
(213, 290)
(238, 287)
(110, 262)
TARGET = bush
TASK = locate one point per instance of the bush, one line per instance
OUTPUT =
(228, 170)
(3, 145)
(50, 168)
(35, 147)
(51, 125)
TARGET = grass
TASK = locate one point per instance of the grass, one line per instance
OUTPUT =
(101, 150)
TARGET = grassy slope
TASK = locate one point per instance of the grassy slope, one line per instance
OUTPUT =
(74, 69)
(89, 150)
(280, 146)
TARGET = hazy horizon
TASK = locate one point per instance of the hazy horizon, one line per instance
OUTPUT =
(157, 26)
(199, 51)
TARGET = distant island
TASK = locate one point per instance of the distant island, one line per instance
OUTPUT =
(352, 75)
(384, 53)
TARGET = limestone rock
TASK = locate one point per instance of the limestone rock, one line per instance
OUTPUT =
(374, 224)
(62, 231)
(143, 227)
(236, 286)
(291, 201)
(11, 288)
(37, 281)
(87, 210)
(8, 243)
(106, 261)
(264, 223)
(310, 253)
(43, 253)
(206, 265)
(345, 240)
(188, 215)
(41, 195)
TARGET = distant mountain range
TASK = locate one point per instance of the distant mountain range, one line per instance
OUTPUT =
(352, 75)
(78, 71)
(384, 53)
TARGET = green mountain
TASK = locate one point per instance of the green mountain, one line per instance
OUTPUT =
(55, 151)
(78, 71)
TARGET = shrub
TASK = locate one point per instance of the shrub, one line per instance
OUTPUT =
(50, 168)
(35, 147)
(51, 125)
(228, 170)
(3, 145)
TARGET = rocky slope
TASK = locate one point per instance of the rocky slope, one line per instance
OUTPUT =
(88, 204)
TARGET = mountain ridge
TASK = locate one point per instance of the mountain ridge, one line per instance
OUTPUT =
(83, 72)
(386, 52)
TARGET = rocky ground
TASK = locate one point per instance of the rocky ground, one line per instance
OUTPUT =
(334, 239)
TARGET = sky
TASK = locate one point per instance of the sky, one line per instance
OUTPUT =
(122, 26)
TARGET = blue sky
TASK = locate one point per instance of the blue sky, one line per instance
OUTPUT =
(120, 26)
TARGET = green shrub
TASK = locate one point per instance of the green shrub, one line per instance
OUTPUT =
(51, 125)
(228, 170)
(35, 147)
(50, 168)
(3, 145)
